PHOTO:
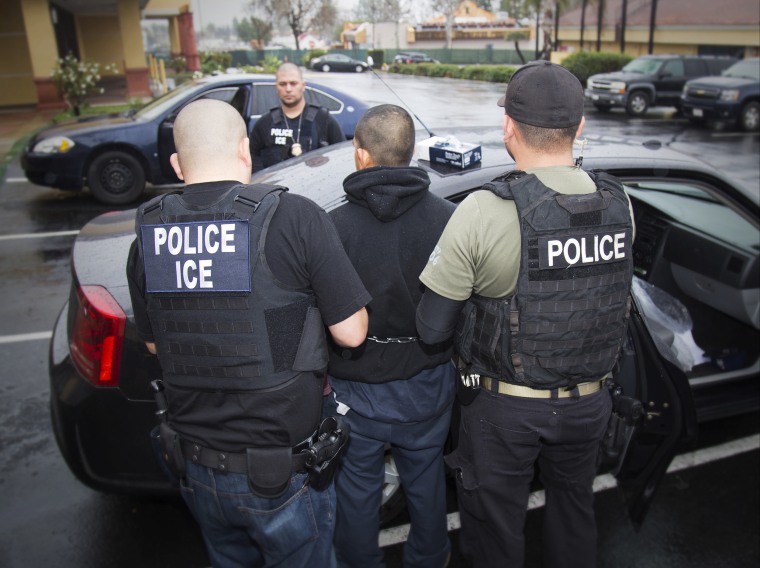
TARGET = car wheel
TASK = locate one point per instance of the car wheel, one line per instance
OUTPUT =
(603, 108)
(116, 178)
(749, 118)
(325, 68)
(359, 69)
(394, 500)
(638, 103)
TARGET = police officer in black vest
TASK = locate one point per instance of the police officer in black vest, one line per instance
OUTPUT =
(532, 277)
(232, 286)
(294, 127)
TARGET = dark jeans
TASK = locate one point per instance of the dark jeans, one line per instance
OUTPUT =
(418, 453)
(242, 530)
(501, 438)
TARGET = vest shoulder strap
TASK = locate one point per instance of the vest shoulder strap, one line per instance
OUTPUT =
(249, 197)
(501, 185)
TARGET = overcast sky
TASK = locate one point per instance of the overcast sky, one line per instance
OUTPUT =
(221, 12)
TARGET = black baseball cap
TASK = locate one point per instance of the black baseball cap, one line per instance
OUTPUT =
(544, 94)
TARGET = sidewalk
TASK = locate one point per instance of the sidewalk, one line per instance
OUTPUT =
(17, 122)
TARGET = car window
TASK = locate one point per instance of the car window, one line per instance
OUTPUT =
(747, 69)
(161, 105)
(697, 67)
(264, 98)
(643, 66)
(674, 67)
(323, 99)
(233, 95)
(694, 206)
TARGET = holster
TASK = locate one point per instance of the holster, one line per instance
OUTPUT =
(171, 453)
(322, 458)
(624, 421)
(269, 470)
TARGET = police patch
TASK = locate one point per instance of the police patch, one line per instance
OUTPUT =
(584, 250)
(200, 256)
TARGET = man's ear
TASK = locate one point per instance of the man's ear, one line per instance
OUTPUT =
(364, 158)
(174, 161)
(580, 127)
(509, 128)
(244, 152)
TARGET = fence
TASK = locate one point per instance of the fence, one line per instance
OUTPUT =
(487, 56)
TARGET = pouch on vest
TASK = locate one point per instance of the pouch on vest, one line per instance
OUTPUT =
(269, 470)
(312, 349)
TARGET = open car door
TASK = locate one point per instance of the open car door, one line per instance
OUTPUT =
(667, 423)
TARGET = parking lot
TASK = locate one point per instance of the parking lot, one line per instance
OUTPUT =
(705, 513)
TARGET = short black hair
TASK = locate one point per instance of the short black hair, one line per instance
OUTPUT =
(387, 133)
(547, 140)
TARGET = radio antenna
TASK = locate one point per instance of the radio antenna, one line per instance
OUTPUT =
(402, 101)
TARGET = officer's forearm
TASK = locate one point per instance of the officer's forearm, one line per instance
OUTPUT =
(437, 317)
(352, 331)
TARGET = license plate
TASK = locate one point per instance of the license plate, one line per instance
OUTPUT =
(697, 112)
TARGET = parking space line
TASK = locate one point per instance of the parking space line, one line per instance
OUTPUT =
(39, 235)
(16, 180)
(26, 337)
(397, 535)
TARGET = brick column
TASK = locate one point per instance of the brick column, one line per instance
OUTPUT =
(187, 41)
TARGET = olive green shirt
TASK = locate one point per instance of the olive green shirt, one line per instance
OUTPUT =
(479, 250)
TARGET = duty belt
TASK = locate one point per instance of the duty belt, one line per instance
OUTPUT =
(238, 462)
(581, 389)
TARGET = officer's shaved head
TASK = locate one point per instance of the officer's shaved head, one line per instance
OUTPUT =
(290, 68)
(207, 135)
(387, 133)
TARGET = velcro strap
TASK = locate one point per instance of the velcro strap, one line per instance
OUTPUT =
(532, 345)
(575, 305)
(589, 282)
(565, 362)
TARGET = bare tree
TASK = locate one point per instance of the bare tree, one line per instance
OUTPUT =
(448, 9)
(300, 15)
(584, 3)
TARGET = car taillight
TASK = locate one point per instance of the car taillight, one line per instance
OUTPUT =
(97, 336)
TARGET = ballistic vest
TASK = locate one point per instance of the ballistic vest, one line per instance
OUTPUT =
(314, 122)
(221, 322)
(567, 318)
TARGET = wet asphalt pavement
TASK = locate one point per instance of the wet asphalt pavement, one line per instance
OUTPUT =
(704, 515)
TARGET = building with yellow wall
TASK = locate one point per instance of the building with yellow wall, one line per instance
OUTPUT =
(687, 27)
(34, 34)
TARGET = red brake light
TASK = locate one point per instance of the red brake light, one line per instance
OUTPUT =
(97, 336)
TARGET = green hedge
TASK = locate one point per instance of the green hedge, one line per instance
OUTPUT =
(490, 73)
(583, 64)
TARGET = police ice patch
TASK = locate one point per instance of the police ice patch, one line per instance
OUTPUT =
(204, 256)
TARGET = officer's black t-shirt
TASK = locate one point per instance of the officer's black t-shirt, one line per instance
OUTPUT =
(303, 252)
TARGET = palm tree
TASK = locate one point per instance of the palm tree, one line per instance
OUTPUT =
(599, 22)
(623, 21)
(652, 23)
(584, 3)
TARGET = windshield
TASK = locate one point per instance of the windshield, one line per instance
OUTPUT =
(158, 107)
(643, 66)
(747, 69)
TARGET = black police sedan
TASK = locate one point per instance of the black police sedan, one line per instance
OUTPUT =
(116, 155)
(696, 260)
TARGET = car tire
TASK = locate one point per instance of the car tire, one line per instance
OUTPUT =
(394, 499)
(116, 178)
(359, 69)
(749, 117)
(603, 108)
(637, 104)
(326, 68)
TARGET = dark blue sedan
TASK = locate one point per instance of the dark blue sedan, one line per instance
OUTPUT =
(116, 155)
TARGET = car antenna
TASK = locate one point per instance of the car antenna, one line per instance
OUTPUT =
(402, 101)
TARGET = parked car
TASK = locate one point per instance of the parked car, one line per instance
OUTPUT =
(651, 80)
(696, 240)
(413, 57)
(116, 155)
(733, 97)
(338, 62)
